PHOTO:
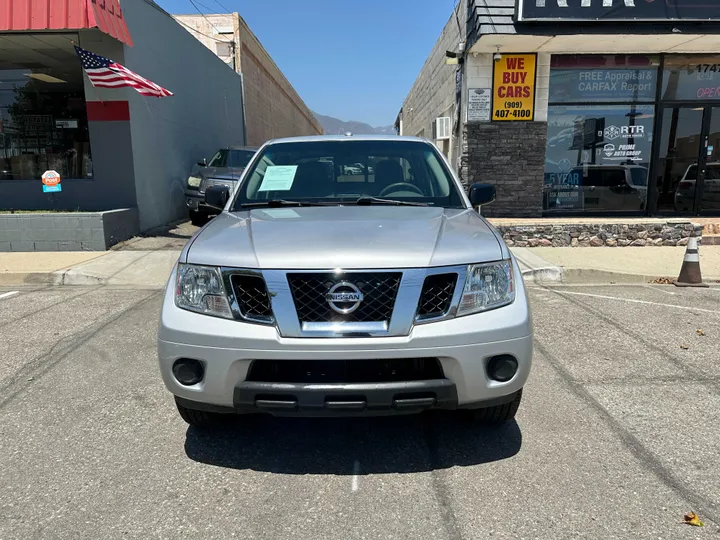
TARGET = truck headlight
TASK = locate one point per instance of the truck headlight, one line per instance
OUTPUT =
(194, 181)
(487, 286)
(200, 289)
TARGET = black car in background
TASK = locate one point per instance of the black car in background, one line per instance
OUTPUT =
(224, 168)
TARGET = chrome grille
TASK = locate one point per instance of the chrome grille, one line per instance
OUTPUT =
(436, 296)
(252, 297)
(310, 291)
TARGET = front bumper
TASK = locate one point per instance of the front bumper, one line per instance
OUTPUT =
(463, 346)
(195, 201)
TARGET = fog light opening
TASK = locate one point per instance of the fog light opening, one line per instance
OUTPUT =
(502, 368)
(188, 371)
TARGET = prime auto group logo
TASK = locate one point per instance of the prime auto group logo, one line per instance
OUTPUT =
(626, 132)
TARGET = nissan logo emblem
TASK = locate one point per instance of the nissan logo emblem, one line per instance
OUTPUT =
(344, 297)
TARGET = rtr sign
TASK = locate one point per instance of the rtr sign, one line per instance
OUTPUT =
(514, 88)
(618, 10)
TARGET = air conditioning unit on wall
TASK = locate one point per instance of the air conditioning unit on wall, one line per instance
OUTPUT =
(442, 128)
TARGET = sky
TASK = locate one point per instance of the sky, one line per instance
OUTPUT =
(354, 60)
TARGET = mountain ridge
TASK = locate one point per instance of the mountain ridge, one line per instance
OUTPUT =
(335, 126)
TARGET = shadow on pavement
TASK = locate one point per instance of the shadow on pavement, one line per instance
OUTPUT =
(167, 237)
(404, 444)
(183, 230)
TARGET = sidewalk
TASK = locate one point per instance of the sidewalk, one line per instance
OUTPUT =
(139, 269)
(150, 269)
(611, 265)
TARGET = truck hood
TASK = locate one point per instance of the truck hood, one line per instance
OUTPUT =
(347, 237)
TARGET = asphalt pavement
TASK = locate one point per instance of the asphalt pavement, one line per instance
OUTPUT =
(616, 436)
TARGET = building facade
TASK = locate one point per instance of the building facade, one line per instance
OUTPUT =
(599, 107)
(272, 106)
(112, 148)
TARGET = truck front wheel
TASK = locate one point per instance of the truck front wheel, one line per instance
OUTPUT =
(498, 414)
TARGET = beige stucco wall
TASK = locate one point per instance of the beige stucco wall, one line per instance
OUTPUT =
(272, 106)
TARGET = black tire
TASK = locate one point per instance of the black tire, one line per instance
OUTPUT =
(499, 413)
(199, 419)
(198, 218)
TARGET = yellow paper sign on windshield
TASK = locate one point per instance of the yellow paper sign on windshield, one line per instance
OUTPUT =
(514, 88)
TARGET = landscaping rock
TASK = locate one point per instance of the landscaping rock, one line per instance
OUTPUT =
(598, 234)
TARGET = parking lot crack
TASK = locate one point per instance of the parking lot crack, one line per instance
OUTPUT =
(647, 459)
(440, 486)
(59, 351)
(639, 338)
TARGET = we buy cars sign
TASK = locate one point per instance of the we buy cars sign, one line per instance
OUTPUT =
(51, 182)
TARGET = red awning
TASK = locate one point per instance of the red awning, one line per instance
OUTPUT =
(24, 15)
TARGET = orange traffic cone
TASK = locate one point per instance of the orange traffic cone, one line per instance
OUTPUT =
(690, 275)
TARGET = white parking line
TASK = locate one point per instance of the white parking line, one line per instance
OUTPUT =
(658, 289)
(634, 301)
(8, 294)
(356, 472)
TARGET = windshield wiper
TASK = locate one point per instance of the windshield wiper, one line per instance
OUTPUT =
(376, 200)
(277, 203)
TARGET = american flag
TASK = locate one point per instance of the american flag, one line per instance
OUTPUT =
(105, 73)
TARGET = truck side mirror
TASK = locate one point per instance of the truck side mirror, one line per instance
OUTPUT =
(482, 194)
(217, 196)
(202, 162)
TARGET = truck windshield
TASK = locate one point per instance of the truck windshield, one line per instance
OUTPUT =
(348, 171)
(231, 158)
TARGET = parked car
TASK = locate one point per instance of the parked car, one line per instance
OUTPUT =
(685, 192)
(600, 187)
(225, 167)
(311, 297)
(354, 169)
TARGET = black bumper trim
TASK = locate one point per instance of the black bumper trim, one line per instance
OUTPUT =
(308, 399)
(351, 405)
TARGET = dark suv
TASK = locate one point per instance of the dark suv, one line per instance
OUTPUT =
(224, 168)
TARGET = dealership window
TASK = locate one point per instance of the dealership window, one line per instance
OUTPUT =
(600, 125)
(690, 78)
(43, 119)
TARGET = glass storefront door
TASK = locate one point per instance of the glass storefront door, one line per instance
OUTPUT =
(710, 193)
(687, 171)
(677, 164)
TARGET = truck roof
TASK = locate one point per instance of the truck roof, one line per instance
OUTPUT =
(359, 137)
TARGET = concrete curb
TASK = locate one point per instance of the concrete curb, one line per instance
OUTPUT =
(61, 277)
(26, 278)
(539, 276)
(551, 274)
(594, 276)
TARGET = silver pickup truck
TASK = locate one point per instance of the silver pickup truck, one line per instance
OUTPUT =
(324, 289)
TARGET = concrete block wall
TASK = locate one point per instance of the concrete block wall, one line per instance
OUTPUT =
(82, 231)
(272, 106)
(210, 30)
